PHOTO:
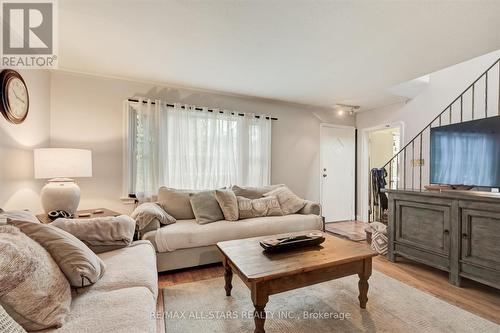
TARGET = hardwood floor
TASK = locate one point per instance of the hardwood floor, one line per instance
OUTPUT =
(474, 297)
(353, 230)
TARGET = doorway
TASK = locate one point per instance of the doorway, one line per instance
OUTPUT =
(378, 145)
(337, 174)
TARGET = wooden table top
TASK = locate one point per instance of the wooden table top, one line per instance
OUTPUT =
(255, 265)
(44, 218)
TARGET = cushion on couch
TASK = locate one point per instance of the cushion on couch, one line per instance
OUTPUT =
(115, 311)
(253, 192)
(81, 266)
(147, 212)
(100, 234)
(176, 202)
(33, 290)
(205, 207)
(228, 203)
(249, 208)
(188, 234)
(290, 203)
(136, 262)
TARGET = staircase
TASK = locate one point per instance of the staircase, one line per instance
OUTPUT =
(409, 168)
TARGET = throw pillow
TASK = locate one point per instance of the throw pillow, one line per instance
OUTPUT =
(253, 192)
(33, 290)
(176, 202)
(20, 215)
(205, 207)
(147, 212)
(249, 208)
(7, 324)
(228, 203)
(100, 234)
(81, 266)
(289, 202)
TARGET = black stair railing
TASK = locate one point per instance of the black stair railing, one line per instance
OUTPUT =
(407, 169)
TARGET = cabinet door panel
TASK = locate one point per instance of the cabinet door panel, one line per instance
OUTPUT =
(423, 225)
(481, 238)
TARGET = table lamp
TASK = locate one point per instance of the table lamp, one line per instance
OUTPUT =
(60, 165)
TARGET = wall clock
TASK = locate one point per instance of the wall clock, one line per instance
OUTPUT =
(14, 96)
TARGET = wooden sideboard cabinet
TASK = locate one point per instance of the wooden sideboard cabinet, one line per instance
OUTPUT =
(455, 231)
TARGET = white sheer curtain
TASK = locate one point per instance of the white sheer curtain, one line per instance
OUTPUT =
(190, 149)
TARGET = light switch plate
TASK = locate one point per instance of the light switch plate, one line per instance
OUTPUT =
(418, 162)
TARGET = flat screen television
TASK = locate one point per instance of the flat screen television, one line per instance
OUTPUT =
(467, 153)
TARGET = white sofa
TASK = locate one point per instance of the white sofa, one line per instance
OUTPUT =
(123, 300)
(187, 243)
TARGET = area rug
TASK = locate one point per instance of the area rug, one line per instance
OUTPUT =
(327, 307)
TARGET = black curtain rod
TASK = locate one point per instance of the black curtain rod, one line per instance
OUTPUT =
(200, 109)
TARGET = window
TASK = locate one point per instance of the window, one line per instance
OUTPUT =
(190, 149)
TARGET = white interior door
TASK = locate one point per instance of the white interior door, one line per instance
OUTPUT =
(337, 172)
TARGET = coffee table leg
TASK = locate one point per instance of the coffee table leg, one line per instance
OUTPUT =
(259, 299)
(228, 277)
(259, 318)
(363, 282)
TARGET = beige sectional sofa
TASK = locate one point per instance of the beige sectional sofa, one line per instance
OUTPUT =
(123, 300)
(187, 243)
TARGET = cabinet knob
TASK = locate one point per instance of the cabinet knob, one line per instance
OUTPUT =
(446, 231)
(464, 235)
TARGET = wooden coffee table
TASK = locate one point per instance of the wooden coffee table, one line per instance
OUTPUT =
(268, 274)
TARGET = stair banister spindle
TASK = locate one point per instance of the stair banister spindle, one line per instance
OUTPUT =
(473, 86)
(499, 88)
(404, 167)
(389, 173)
(450, 114)
(397, 172)
(420, 163)
(412, 164)
(486, 95)
(461, 108)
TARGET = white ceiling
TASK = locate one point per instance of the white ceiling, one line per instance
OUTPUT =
(310, 52)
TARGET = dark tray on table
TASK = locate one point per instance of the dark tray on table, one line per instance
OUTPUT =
(292, 242)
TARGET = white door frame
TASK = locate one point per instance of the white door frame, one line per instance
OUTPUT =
(363, 158)
(320, 174)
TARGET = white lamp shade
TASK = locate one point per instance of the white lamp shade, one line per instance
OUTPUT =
(62, 162)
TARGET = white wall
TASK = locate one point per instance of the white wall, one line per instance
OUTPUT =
(87, 112)
(381, 143)
(18, 188)
(445, 85)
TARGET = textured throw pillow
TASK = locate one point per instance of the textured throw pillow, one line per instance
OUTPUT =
(33, 290)
(253, 192)
(176, 202)
(290, 203)
(147, 212)
(19, 215)
(228, 204)
(7, 324)
(81, 266)
(205, 207)
(249, 208)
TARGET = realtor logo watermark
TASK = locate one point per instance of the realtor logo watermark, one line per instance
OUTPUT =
(29, 38)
